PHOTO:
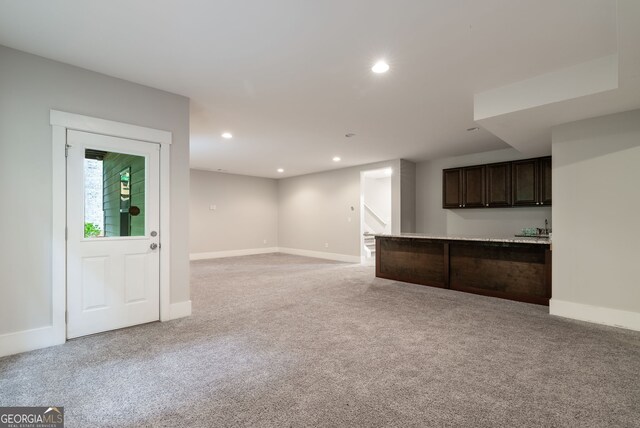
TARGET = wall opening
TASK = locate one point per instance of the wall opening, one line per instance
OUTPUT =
(375, 209)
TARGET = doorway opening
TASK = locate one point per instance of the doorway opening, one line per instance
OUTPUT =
(375, 210)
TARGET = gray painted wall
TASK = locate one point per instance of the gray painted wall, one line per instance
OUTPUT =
(30, 87)
(432, 218)
(246, 212)
(407, 196)
(315, 209)
(596, 240)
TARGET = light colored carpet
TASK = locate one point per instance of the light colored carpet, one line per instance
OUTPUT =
(278, 340)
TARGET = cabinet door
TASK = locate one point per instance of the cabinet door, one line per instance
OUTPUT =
(452, 188)
(545, 181)
(473, 187)
(499, 185)
(525, 182)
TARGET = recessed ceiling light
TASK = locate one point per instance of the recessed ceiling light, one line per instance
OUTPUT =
(475, 128)
(226, 135)
(380, 67)
(280, 170)
(336, 159)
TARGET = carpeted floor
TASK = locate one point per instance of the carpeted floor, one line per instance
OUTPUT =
(279, 340)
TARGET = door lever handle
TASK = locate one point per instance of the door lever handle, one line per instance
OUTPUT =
(153, 246)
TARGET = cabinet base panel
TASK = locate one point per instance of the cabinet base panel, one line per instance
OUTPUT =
(520, 272)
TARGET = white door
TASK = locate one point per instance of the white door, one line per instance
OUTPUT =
(113, 263)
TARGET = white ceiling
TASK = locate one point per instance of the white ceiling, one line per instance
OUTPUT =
(289, 78)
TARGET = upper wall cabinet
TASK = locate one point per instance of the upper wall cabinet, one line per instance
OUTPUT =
(499, 185)
(532, 182)
(452, 188)
(463, 187)
(506, 184)
(473, 187)
(545, 181)
(525, 181)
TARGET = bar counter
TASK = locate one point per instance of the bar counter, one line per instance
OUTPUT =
(505, 267)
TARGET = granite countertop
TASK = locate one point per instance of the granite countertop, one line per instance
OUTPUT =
(511, 239)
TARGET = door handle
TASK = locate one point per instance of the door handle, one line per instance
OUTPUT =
(153, 246)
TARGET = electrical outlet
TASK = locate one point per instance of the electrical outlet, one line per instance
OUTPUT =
(326, 245)
(213, 207)
(264, 242)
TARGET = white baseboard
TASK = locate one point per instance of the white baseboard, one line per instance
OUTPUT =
(595, 314)
(295, 251)
(232, 253)
(321, 255)
(180, 310)
(28, 340)
(43, 337)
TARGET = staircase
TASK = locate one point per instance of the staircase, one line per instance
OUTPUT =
(373, 224)
(370, 244)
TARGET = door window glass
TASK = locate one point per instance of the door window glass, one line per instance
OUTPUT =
(114, 194)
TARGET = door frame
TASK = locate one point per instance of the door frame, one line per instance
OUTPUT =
(60, 123)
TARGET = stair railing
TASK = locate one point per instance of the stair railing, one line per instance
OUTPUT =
(375, 215)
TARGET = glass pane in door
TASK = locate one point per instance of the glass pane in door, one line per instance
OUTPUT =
(114, 194)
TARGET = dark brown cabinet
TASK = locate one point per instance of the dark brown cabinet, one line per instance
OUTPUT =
(473, 187)
(505, 184)
(509, 270)
(545, 181)
(463, 187)
(499, 185)
(452, 188)
(532, 182)
(525, 182)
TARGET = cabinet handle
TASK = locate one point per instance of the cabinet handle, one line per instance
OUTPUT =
(487, 204)
(537, 203)
(541, 203)
(463, 205)
(460, 206)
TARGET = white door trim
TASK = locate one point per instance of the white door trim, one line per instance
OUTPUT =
(108, 127)
(61, 122)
